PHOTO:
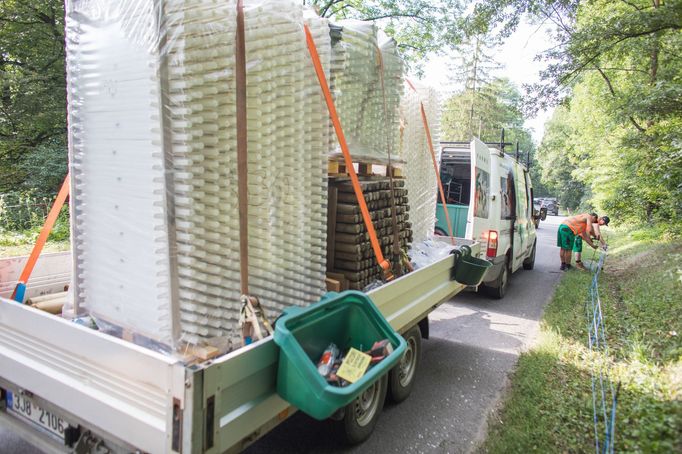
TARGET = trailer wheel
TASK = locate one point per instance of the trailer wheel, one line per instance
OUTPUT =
(401, 378)
(362, 414)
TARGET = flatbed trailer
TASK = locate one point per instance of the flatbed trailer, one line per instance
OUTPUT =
(115, 396)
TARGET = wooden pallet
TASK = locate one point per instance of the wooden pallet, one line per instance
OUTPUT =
(337, 167)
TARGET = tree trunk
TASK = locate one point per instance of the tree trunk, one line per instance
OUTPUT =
(655, 49)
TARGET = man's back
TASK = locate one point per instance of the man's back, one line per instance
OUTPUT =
(578, 223)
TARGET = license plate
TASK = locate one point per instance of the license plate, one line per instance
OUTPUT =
(26, 408)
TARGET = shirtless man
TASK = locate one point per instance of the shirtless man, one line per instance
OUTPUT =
(581, 225)
(578, 245)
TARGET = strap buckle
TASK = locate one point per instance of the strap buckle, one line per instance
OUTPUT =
(251, 317)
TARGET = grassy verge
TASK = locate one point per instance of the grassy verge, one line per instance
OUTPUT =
(549, 406)
(25, 249)
(14, 244)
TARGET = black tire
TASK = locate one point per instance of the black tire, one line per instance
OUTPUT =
(362, 414)
(439, 232)
(499, 288)
(402, 377)
(529, 263)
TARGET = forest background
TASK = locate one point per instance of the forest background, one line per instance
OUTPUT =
(613, 77)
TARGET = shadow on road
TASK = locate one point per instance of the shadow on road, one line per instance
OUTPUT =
(456, 380)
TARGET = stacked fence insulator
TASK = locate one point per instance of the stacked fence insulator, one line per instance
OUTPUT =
(350, 246)
(116, 146)
(357, 64)
(154, 162)
(393, 68)
(418, 169)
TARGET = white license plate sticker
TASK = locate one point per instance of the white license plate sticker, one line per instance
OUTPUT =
(28, 409)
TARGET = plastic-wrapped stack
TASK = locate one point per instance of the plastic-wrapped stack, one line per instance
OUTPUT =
(393, 68)
(422, 185)
(153, 157)
(118, 188)
(358, 57)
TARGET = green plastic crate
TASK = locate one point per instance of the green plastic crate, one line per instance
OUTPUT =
(348, 319)
(469, 270)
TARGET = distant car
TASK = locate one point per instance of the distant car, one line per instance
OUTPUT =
(551, 205)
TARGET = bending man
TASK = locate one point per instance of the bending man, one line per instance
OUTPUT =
(579, 226)
(578, 245)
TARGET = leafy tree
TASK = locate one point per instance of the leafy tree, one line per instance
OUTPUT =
(32, 88)
(473, 68)
(556, 159)
(419, 27)
(618, 69)
(497, 107)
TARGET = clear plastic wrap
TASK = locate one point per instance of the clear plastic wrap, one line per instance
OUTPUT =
(154, 163)
(394, 82)
(359, 57)
(428, 251)
(421, 181)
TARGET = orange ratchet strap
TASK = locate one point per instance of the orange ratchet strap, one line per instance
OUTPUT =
(42, 239)
(385, 265)
(242, 165)
(435, 164)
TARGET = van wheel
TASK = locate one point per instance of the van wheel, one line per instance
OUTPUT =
(529, 263)
(401, 378)
(499, 288)
(439, 232)
(362, 414)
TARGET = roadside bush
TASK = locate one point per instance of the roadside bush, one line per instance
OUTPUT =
(20, 211)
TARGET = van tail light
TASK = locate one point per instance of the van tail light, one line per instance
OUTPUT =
(492, 244)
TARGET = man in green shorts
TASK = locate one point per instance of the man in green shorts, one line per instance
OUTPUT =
(596, 234)
(575, 227)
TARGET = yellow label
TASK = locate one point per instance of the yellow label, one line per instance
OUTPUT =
(354, 365)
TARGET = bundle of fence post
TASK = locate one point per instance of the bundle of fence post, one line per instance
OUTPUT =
(604, 394)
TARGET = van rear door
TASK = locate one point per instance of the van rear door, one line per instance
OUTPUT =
(478, 221)
(523, 234)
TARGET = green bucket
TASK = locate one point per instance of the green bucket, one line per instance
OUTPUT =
(348, 319)
(469, 270)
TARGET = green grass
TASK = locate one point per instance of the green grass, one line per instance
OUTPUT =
(19, 249)
(549, 406)
(14, 244)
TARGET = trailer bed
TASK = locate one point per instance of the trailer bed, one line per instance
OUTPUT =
(132, 397)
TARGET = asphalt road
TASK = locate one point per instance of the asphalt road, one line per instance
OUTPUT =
(475, 342)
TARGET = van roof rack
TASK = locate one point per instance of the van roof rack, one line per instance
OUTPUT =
(499, 145)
